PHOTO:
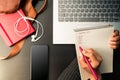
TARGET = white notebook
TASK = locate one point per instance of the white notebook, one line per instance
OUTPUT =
(98, 39)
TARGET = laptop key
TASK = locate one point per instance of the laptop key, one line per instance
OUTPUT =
(89, 6)
(61, 19)
(87, 15)
(108, 10)
(101, 19)
(98, 6)
(80, 6)
(86, 10)
(99, 10)
(112, 10)
(111, 6)
(82, 10)
(80, 15)
(106, 6)
(102, 6)
(85, 6)
(95, 10)
(116, 15)
(111, 15)
(88, 19)
(104, 10)
(116, 19)
(71, 19)
(90, 10)
(109, 2)
(93, 6)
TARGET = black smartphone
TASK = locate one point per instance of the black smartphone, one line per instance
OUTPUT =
(39, 62)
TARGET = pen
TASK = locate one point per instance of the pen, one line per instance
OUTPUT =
(89, 65)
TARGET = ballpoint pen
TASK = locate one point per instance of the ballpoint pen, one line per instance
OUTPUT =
(89, 65)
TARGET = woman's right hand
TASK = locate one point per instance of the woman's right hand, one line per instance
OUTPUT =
(95, 60)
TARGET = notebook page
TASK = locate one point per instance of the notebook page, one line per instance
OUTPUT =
(98, 39)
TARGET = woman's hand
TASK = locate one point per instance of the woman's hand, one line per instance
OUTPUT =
(95, 60)
(114, 40)
(8, 6)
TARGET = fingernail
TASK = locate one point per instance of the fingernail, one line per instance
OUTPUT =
(83, 51)
(79, 58)
(116, 31)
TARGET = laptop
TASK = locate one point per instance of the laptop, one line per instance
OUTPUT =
(76, 14)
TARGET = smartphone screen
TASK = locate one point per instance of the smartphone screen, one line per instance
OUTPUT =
(39, 62)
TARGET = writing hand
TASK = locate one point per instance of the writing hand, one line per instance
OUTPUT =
(95, 60)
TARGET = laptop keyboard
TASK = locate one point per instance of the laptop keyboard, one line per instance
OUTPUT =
(89, 10)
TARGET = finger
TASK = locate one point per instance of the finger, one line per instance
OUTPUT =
(115, 33)
(114, 46)
(89, 50)
(89, 53)
(83, 63)
(116, 38)
(99, 58)
(114, 43)
(95, 58)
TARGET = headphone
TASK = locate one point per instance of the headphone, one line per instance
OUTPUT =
(34, 37)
